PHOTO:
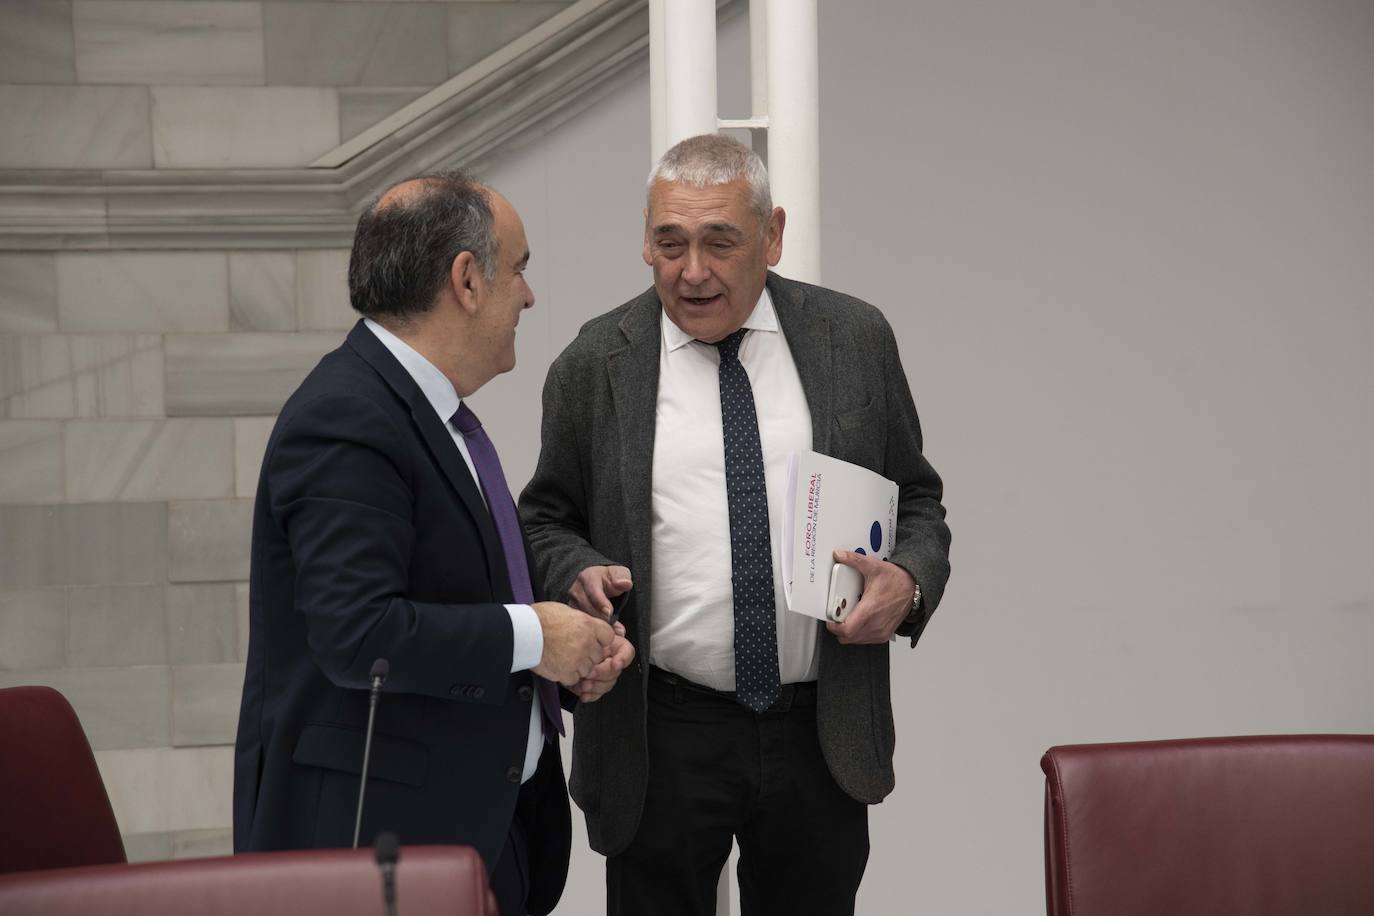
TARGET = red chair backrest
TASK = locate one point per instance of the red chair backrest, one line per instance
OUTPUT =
(317, 882)
(54, 812)
(1263, 826)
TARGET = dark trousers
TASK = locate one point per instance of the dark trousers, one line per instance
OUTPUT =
(717, 771)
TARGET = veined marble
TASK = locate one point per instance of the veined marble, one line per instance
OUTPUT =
(322, 302)
(118, 707)
(236, 126)
(112, 626)
(205, 703)
(477, 29)
(73, 375)
(250, 444)
(36, 42)
(361, 107)
(338, 44)
(208, 539)
(124, 460)
(142, 291)
(33, 626)
(202, 623)
(163, 789)
(228, 375)
(30, 461)
(28, 294)
(262, 291)
(161, 42)
(75, 127)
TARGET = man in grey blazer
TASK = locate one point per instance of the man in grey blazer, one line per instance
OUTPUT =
(667, 425)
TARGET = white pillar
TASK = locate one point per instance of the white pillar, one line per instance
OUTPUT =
(689, 70)
(794, 137)
(658, 84)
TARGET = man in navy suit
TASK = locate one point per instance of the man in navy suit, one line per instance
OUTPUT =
(384, 528)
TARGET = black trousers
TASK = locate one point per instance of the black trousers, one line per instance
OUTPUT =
(510, 879)
(717, 771)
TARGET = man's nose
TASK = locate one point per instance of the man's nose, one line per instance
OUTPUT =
(695, 272)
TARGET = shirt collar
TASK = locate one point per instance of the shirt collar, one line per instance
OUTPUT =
(762, 318)
(435, 386)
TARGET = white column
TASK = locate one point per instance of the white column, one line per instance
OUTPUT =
(658, 84)
(689, 70)
(794, 138)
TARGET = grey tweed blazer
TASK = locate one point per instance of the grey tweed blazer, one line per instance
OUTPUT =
(589, 504)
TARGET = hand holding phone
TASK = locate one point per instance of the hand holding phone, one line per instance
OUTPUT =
(846, 585)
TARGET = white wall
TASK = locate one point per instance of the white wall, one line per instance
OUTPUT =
(1128, 251)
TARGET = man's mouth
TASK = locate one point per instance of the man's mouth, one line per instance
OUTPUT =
(699, 301)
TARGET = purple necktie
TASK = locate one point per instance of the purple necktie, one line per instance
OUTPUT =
(502, 509)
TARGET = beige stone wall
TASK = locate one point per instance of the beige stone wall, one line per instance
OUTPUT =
(137, 389)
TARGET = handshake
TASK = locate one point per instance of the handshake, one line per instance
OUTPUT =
(585, 648)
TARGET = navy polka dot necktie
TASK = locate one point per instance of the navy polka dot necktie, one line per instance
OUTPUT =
(751, 555)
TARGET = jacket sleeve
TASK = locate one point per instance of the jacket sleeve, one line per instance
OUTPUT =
(339, 484)
(553, 505)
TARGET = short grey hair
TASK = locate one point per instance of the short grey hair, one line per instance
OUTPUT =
(708, 160)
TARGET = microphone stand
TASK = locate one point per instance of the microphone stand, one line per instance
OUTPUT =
(380, 669)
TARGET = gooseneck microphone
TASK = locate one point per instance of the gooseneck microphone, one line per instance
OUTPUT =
(380, 669)
(388, 854)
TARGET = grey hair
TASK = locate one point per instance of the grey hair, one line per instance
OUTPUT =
(403, 249)
(707, 160)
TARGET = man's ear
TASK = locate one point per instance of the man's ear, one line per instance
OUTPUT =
(648, 252)
(772, 236)
(464, 278)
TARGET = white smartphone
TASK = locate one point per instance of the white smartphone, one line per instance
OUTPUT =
(846, 585)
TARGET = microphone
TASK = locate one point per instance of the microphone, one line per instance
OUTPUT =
(388, 854)
(380, 669)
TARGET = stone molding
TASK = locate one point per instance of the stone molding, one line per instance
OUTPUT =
(538, 81)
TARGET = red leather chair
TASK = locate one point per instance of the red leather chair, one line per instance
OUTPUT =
(1263, 826)
(53, 805)
(447, 880)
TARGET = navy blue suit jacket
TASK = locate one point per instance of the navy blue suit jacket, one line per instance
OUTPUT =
(371, 540)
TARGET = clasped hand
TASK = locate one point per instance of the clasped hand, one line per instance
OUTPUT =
(581, 650)
(885, 603)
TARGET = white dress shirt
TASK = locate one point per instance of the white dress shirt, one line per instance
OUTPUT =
(693, 619)
(529, 636)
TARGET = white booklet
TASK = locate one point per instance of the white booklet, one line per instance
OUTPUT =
(831, 505)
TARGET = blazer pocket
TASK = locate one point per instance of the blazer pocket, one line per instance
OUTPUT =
(340, 747)
(860, 418)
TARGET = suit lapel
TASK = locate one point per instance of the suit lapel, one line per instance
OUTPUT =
(633, 374)
(807, 331)
(439, 442)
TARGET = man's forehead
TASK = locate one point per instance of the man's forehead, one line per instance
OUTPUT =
(714, 207)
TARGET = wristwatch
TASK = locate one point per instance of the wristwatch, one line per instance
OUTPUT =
(914, 614)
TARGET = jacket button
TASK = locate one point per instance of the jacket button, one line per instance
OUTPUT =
(525, 693)
(513, 774)
(478, 692)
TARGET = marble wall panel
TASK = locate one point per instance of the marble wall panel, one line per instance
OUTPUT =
(202, 623)
(240, 127)
(262, 291)
(118, 707)
(196, 844)
(250, 444)
(168, 790)
(200, 788)
(62, 375)
(205, 704)
(361, 107)
(147, 847)
(242, 605)
(322, 302)
(209, 540)
(28, 461)
(116, 625)
(126, 460)
(334, 44)
(33, 627)
(158, 42)
(142, 291)
(239, 374)
(477, 29)
(83, 544)
(36, 42)
(76, 127)
(28, 292)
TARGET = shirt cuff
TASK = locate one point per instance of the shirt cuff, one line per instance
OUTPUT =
(529, 637)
